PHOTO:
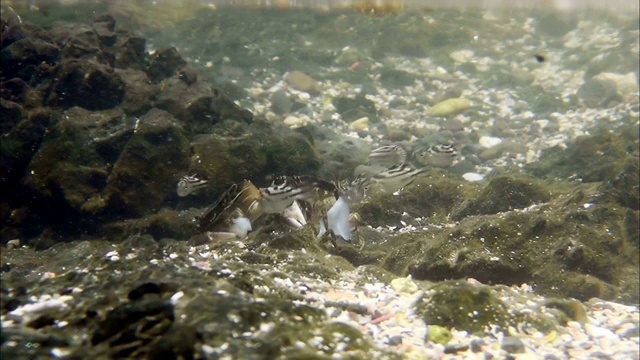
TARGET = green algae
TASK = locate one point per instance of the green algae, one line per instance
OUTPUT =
(457, 304)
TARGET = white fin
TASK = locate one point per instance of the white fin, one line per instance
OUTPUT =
(294, 216)
(322, 229)
(338, 219)
(241, 226)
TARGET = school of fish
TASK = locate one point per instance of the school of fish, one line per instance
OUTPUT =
(300, 200)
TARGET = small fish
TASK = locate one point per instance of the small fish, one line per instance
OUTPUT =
(285, 189)
(397, 177)
(438, 156)
(190, 184)
(386, 156)
(357, 190)
(368, 170)
(236, 202)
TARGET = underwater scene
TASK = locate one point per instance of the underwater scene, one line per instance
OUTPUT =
(319, 179)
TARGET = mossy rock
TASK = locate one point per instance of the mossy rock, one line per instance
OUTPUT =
(460, 305)
(237, 151)
(573, 310)
(590, 158)
(144, 175)
(502, 194)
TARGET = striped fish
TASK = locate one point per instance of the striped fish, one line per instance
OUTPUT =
(397, 177)
(235, 203)
(189, 184)
(357, 190)
(284, 190)
(437, 156)
(386, 156)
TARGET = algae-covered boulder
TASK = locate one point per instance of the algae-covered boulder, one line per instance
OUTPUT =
(256, 151)
(145, 173)
(503, 194)
(590, 158)
(460, 305)
(68, 166)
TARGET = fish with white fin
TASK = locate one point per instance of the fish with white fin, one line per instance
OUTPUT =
(386, 156)
(230, 215)
(441, 156)
(190, 184)
(357, 190)
(339, 220)
(284, 190)
(397, 177)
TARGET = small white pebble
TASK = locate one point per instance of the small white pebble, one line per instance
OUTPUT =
(471, 177)
(489, 141)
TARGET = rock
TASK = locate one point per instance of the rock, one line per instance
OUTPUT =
(512, 345)
(295, 121)
(438, 334)
(503, 194)
(452, 125)
(404, 285)
(396, 79)
(361, 124)
(573, 309)
(11, 113)
(144, 175)
(85, 83)
(476, 345)
(489, 141)
(449, 107)
(139, 91)
(13, 244)
(626, 85)
(19, 145)
(462, 56)
(280, 102)
(258, 150)
(589, 158)
(303, 82)
(191, 104)
(129, 52)
(472, 177)
(68, 168)
(164, 64)
(599, 93)
(21, 57)
(355, 108)
(166, 223)
(457, 304)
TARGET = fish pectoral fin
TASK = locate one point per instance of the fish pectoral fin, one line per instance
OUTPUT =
(338, 219)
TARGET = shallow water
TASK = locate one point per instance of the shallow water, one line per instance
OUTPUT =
(535, 206)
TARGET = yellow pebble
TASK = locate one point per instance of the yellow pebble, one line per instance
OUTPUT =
(449, 107)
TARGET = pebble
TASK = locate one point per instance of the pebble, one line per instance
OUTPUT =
(280, 102)
(599, 332)
(471, 177)
(449, 107)
(462, 56)
(361, 124)
(512, 344)
(295, 121)
(303, 82)
(625, 85)
(476, 345)
(489, 141)
(13, 244)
